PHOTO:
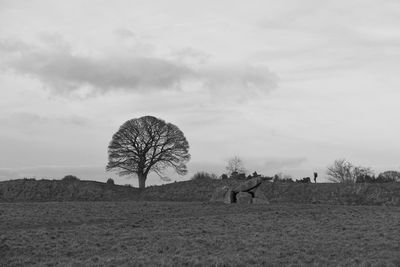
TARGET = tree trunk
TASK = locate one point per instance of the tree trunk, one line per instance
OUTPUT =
(142, 180)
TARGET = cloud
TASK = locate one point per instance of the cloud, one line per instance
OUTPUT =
(27, 118)
(65, 71)
(10, 45)
(239, 76)
(191, 56)
(124, 33)
(7, 173)
(276, 164)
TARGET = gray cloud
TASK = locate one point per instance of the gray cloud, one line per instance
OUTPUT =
(124, 33)
(64, 71)
(9, 45)
(190, 56)
(7, 173)
(25, 118)
(253, 79)
(276, 164)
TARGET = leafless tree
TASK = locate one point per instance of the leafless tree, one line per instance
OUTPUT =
(340, 171)
(361, 173)
(343, 171)
(145, 145)
(235, 164)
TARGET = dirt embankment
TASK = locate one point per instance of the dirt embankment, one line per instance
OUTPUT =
(199, 190)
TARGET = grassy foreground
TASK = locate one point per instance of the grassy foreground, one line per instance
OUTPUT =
(197, 234)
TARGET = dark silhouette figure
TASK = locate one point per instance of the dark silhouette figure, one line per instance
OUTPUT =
(315, 177)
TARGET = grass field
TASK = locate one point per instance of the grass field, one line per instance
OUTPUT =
(197, 234)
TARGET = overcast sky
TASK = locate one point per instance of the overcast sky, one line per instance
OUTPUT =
(289, 86)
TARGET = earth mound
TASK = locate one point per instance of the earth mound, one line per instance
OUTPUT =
(58, 190)
(29, 190)
(308, 193)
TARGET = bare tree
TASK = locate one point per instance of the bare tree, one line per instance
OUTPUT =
(145, 145)
(235, 164)
(362, 173)
(343, 171)
(340, 171)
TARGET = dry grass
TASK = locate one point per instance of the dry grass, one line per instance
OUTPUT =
(199, 190)
(197, 234)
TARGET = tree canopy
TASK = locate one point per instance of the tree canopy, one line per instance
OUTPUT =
(148, 144)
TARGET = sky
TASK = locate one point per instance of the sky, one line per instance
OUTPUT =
(288, 86)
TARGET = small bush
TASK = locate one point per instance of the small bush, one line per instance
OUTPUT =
(224, 176)
(110, 181)
(70, 178)
(282, 178)
(203, 176)
(385, 177)
(389, 176)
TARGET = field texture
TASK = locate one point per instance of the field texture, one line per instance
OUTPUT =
(24, 190)
(197, 234)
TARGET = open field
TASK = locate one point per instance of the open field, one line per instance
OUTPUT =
(200, 234)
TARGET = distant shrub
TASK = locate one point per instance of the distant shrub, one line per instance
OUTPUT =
(70, 178)
(110, 181)
(236, 175)
(385, 177)
(204, 176)
(366, 179)
(254, 175)
(224, 176)
(29, 179)
(214, 176)
(389, 176)
(282, 178)
(286, 180)
(128, 185)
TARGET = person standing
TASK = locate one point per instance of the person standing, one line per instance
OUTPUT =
(315, 177)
